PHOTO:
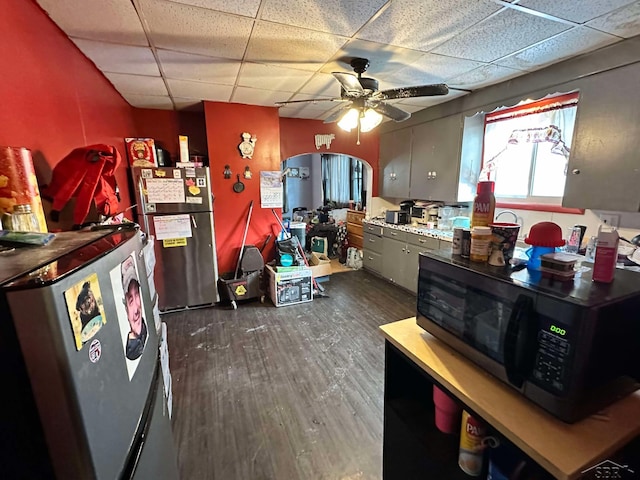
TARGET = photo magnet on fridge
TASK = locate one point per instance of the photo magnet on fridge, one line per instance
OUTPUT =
(130, 309)
(86, 311)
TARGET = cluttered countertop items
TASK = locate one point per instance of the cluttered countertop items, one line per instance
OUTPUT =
(419, 230)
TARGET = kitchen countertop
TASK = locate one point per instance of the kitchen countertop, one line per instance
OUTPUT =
(419, 230)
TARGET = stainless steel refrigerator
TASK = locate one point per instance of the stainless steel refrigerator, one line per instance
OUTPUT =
(175, 206)
(83, 396)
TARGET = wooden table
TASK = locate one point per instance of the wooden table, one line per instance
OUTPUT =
(564, 450)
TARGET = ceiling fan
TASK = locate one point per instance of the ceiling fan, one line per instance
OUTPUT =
(365, 103)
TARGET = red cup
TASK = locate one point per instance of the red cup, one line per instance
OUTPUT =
(447, 410)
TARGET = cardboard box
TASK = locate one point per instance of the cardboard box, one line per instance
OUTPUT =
(321, 270)
(291, 287)
(319, 259)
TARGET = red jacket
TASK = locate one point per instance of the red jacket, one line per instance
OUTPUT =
(88, 174)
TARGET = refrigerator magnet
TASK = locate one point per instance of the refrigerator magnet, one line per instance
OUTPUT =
(86, 310)
(201, 182)
(95, 350)
(130, 311)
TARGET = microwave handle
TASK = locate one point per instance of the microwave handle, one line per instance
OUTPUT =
(520, 341)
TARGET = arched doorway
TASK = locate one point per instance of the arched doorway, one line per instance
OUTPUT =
(304, 182)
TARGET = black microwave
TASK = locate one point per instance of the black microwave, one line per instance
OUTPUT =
(570, 347)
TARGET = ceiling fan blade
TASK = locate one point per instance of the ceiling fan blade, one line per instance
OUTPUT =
(335, 116)
(409, 92)
(350, 83)
(394, 113)
(311, 100)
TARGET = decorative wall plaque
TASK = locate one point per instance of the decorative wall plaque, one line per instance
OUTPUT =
(247, 145)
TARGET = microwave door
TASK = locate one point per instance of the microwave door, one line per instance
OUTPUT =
(520, 341)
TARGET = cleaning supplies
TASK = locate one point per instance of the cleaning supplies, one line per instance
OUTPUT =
(484, 205)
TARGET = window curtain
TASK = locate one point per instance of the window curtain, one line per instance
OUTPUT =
(336, 179)
(549, 121)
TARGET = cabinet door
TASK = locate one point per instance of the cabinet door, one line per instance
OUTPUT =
(435, 159)
(409, 279)
(395, 159)
(393, 258)
(603, 171)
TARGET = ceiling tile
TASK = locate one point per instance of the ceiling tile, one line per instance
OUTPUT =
(573, 42)
(483, 76)
(109, 57)
(624, 22)
(585, 11)
(331, 16)
(199, 90)
(322, 84)
(432, 68)
(257, 96)
(195, 30)
(500, 35)
(109, 21)
(291, 47)
(384, 60)
(149, 101)
(247, 8)
(271, 77)
(137, 84)
(424, 24)
(187, 103)
(186, 66)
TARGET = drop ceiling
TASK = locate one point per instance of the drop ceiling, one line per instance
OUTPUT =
(174, 54)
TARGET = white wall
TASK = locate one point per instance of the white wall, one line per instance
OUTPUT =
(629, 224)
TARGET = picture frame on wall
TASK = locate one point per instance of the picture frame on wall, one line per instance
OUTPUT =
(294, 172)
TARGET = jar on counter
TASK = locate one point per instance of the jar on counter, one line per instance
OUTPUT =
(22, 219)
(480, 244)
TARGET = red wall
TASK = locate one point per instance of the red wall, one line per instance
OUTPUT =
(225, 123)
(164, 126)
(52, 99)
(297, 136)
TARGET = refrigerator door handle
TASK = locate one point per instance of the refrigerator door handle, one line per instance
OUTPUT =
(193, 221)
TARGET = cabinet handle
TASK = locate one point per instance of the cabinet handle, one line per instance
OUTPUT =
(403, 250)
(370, 258)
(422, 241)
(394, 234)
(372, 240)
(576, 171)
(408, 251)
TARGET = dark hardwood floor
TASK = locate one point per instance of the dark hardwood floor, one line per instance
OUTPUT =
(287, 393)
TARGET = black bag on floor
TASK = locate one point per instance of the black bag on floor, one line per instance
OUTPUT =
(289, 246)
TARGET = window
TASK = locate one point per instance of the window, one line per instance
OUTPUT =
(342, 180)
(527, 147)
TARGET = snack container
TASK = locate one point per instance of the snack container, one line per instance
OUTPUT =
(558, 262)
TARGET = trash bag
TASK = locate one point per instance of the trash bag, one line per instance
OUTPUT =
(289, 246)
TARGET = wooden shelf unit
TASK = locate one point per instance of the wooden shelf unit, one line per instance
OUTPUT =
(354, 228)
(563, 451)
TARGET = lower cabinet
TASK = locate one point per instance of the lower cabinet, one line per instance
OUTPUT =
(400, 255)
(372, 248)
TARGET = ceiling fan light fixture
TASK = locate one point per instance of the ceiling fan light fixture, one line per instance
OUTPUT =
(349, 120)
(369, 120)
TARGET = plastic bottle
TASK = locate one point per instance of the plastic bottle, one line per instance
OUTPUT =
(480, 243)
(604, 266)
(484, 205)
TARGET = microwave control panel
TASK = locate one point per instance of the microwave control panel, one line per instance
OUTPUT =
(552, 358)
